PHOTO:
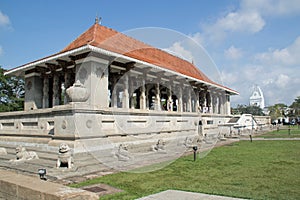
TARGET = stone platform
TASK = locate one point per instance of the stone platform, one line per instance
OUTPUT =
(18, 186)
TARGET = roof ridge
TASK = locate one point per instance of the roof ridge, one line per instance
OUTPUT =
(109, 39)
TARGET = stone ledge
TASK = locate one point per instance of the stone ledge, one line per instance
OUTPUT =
(18, 186)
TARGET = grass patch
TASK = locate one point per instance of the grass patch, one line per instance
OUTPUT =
(283, 132)
(257, 170)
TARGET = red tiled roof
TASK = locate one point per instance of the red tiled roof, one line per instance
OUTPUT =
(111, 40)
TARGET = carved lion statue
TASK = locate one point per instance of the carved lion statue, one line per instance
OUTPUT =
(64, 156)
(22, 154)
(123, 153)
(159, 146)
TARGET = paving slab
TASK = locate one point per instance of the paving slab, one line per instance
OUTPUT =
(182, 195)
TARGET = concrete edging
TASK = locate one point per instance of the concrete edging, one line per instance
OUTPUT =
(18, 186)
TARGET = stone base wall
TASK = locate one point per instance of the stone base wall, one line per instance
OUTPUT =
(263, 120)
(73, 123)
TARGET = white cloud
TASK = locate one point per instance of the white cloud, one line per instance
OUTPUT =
(197, 37)
(272, 7)
(241, 22)
(287, 56)
(178, 50)
(4, 19)
(249, 17)
(1, 50)
(233, 53)
(282, 81)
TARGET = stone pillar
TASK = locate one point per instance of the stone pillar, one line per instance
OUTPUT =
(131, 91)
(170, 100)
(67, 84)
(93, 74)
(197, 105)
(56, 90)
(125, 97)
(221, 104)
(114, 94)
(46, 92)
(208, 101)
(147, 96)
(202, 100)
(143, 95)
(214, 99)
(33, 91)
(180, 103)
(228, 111)
(189, 101)
(157, 97)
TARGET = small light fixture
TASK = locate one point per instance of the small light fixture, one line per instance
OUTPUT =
(195, 148)
(42, 173)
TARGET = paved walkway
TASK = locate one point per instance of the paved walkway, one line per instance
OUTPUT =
(270, 139)
(181, 195)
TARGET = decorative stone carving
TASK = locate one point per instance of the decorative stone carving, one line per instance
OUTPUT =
(65, 158)
(22, 154)
(123, 153)
(89, 123)
(3, 151)
(159, 146)
(64, 124)
(77, 92)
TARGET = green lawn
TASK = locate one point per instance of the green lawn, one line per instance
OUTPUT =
(257, 170)
(283, 132)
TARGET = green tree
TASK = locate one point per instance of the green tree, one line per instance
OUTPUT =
(295, 108)
(11, 92)
(244, 109)
(277, 110)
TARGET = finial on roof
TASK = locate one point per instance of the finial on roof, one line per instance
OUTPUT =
(98, 20)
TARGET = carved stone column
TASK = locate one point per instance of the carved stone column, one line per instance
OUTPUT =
(208, 101)
(227, 105)
(143, 94)
(180, 103)
(197, 105)
(125, 97)
(221, 104)
(170, 100)
(114, 95)
(189, 101)
(157, 97)
(214, 103)
(56, 89)
(67, 77)
(46, 92)
(131, 91)
(202, 100)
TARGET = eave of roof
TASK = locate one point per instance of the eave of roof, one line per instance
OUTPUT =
(109, 41)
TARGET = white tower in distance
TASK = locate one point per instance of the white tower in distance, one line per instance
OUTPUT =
(257, 97)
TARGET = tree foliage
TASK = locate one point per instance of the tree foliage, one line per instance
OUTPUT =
(11, 92)
(295, 108)
(278, 110)
(244, 109)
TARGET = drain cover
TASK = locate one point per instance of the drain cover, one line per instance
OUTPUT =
(95, 189)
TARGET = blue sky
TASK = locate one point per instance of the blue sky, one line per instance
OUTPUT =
(250, 41)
